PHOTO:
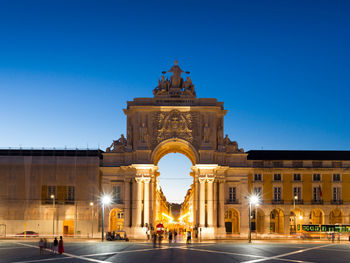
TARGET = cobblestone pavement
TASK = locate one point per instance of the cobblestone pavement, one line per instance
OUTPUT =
(214, 252)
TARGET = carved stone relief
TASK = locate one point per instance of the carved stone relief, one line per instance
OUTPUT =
(174, 124)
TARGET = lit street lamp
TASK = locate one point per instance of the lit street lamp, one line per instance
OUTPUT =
(53, 214)
(253, 199)
(105, 200)
(92, 219)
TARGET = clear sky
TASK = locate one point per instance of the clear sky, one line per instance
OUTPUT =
(67, 68)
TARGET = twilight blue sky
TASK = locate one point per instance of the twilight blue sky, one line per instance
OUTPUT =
(67, 68)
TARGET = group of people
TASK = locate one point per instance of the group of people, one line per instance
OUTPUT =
(172, 237)
(56, 246)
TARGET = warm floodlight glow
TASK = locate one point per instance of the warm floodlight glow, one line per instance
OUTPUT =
(91, 203)
(169, 217)
(254, 199)
(106, 199)
(296, 197)
(301, 217)
(52, 196)
(183, 216)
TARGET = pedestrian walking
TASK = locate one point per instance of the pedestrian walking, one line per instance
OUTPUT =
(154, 237)
(170, 237)
(55, 246)
(60, 246)
(41, 246)
(160, 240)
(175, 235)
(188, 241)
(333, 236)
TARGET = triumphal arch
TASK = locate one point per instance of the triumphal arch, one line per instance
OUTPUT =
(174, 120)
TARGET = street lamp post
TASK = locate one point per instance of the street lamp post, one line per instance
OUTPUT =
(53, 214)
(92, 219)
(105, 200)
(253, 199)
(295, 218)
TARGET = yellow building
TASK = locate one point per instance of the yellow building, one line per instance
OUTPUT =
(50, 191)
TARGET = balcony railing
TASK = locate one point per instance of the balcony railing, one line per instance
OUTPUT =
(316, 202)
(337, 202)
(232, 201)
(275, 202)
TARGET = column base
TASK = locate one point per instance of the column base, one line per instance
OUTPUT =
(220, 232)
(137, 232)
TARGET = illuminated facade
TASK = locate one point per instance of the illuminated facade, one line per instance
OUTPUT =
(296, 187)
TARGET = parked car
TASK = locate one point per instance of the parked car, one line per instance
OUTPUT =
(27, 234)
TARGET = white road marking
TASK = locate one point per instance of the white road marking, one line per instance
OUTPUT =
(125, 251)
(69, 255)
(277, 257)
(263, 258)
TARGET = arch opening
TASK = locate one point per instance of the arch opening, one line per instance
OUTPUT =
(174, 193)
(174, 145)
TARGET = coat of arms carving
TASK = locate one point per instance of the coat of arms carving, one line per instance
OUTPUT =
(173, 124)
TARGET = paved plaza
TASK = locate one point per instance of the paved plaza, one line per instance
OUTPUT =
(18, 251)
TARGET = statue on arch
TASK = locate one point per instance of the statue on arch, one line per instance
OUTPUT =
(175, 79)
(206, 133)
(118, 145)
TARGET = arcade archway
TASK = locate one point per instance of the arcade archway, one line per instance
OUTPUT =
(116, 220)
(232, 221)
(277, 221)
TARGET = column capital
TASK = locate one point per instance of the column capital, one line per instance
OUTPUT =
(144, 169)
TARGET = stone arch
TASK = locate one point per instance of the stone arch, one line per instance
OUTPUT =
(232, 221)
(317, 216)
(277, 221)
(336, 216)
(258, 221)
(116, 220)
(175, 145)
(296, 219)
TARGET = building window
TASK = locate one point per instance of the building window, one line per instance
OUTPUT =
(297, 164)
(317, 193)
(258, 191)
(71, 194)
(316, 177)
(120, 215)
(336, 193)
(232, 194)
(257, 177)
(116, 194)
(277, 177)
(337, 164)
(317, 164)
(51, 190)
(278, 164)
(277, 194)
(297, 177)
(297, 193)
(336, 177)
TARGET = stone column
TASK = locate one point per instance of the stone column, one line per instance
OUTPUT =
(266, 222)
(127, 203)
(196, 203)
(134, 203)
(146, 201)
(215, 205)
(286, 224)
(138, 202)
(221, 222)
(210, 203)
(202, 202)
